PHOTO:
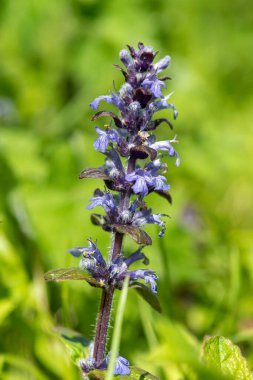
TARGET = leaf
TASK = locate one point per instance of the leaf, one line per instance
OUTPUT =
(141, 374)
(143, 151)
(97, 219)
(120, 68)
(74, 273)
(136, 374)
(117, 121)
(147, 295)
(76, 344)
(155, 123)
(138, 235)
(221, 354)
(95, 173)
(165, 194)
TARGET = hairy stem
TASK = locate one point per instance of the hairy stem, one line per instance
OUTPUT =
(107, 294)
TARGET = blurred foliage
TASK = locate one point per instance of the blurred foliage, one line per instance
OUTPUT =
(56, 57)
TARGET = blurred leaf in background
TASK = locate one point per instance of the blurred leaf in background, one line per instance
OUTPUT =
(56, 56)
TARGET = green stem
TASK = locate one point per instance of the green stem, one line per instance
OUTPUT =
(117, 330)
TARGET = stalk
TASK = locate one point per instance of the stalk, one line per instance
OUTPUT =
(105, 310)
(107, 294)
(117, 330)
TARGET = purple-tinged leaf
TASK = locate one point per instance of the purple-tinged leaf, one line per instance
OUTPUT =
(95, 173)
(74, 273)
(165, 78)
(138, 235)
(164, 194)
(120, 68)
(110, 114)
(132, 51)
(111, 186)
(155, 123)
(143, 151)
(145, 292)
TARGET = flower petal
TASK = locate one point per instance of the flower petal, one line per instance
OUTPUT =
(162, 64)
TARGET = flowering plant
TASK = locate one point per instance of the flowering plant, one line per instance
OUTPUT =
(132, 170)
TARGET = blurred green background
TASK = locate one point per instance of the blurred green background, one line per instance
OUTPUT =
(56, 57)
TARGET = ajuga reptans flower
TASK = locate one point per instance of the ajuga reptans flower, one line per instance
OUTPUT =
(132, 169)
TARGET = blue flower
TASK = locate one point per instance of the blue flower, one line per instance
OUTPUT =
(145, 216)
(110, 99)
(141, 180)
(159, 183)
(113, 165)
(158, 106)
(148, 275)
(121, 365)
(105, 136)
(153, 84)
(105, 200)
(135, 256)
(155, 166)
(166, 145)
(118, 270)
(92, 261)
(143, 57)
(162, 64)
(125, 58)
(145, 181)
(114, 157)
(126, 92)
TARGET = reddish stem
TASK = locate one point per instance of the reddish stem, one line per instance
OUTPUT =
(107, 294)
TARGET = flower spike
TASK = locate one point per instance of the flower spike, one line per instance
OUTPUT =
(132, 170)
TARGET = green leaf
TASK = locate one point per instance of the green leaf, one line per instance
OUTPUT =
(220, 353)
(136, 374)
(77, 345)
(97, 219)
(95, 173)
(138, 235)
(74, 273)
(148, 296)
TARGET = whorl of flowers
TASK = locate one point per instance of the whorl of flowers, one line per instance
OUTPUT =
(131, 171)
